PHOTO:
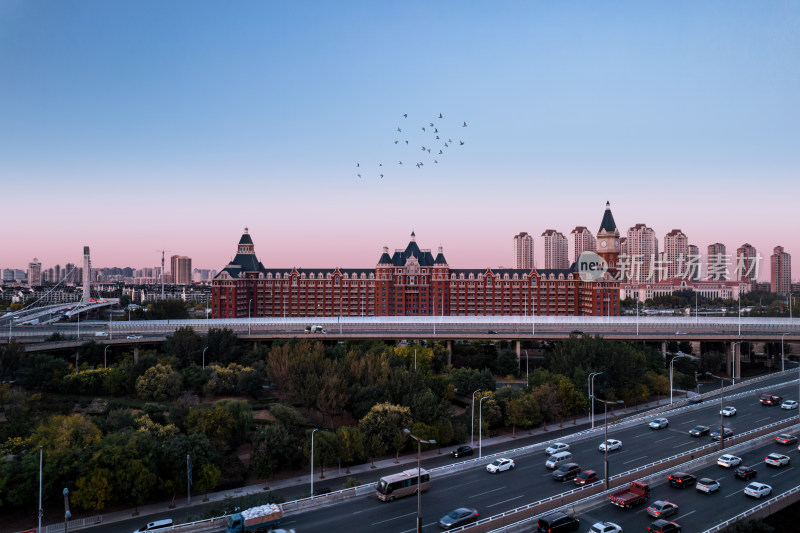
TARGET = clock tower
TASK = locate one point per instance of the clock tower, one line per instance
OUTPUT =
(608, 241)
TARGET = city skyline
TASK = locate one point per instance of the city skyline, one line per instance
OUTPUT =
(132, 129)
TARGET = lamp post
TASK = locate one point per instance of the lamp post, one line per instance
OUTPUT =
(671, 368)
(67, 514)
(721, 405)
(480, 427)
(41, 511)
(637, 315)
(782, 354)
(105, 363)
(472, 431)
(204, 357)
(312, 462)
(591, 392)
(740, 313)
(249, 306)
(419, 475)
(605, 431)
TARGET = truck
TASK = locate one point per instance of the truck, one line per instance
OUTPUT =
(260, 518)
(315, 329)
(637, 492)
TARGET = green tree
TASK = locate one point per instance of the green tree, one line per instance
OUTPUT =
(387, 421)
(223, 346)
(159, 383)
(269, 452)
(208, 478)
(137, 481)
(518, 413)
(351, 445)
(326, 449)
(94, 490)
(185, 345)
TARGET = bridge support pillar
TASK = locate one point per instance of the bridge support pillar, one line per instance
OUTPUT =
(733, 359)
(517, 347)
(449, 352)
(696, 349)
(135, 353)
(664, 349)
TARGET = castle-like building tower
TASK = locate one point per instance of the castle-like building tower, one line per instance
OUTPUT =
(608, 241)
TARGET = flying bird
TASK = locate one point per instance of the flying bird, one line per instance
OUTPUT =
(461, 143)
(381, 176)
(423, 148)
(398, 129)
(440, 115)
(406, 142)
(405, 115)
(435, 161)
(423, 129)
(437, 137)
(436, 130)
(464, 125)
(399, 162)
(359, 175)
(440, 152)
(429, 150)
(396, 142)
(431, 124)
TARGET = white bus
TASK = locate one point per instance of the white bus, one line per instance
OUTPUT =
(403, 484)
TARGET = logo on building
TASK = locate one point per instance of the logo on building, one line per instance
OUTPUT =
(591, 266)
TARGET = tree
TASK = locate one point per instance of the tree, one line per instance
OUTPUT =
(223, 346)
(351, 444)
(387, 421)
(185, 345)
(136, 480)
(94, 490)
(208, 478)
(333, 396)
(159, 383)
(326, 449)
(518, 414)
(270, 445)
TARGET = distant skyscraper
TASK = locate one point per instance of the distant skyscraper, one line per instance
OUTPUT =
(556, 249)
(582, 241)
(8, 275)
(35, 273)
(780, 270)
(717, 262)
(642, 246)
(57, 273)
(181, 269)
(676, 253)
(747, 260)
(623, 245)
(523, 251)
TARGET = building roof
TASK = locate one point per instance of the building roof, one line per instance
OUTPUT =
(246, 239)
(608, 225)
(424, 257)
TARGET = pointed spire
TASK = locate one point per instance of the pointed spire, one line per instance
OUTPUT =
(413, 236)
(608, 225)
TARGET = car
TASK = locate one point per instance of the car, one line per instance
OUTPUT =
(158, 525)
(566, 471)
(728, 434)
(728, 410)
(757, 490)
(458, 517)
(694, 400)
(586, 477)
(681, 479)
(576, 332)
(745, 472)
(557, 521)
(707, 485)
(664, 526)
(699, 431)
(777, 459)
(789, 404)
(729, 460)
(610, 445)
(556, 447)
(680, 333)
(605, 527)
(498, 465)
(134, 337)
(769, 399)
(785, 438)
(662, 509)
(462, 451)
(659, 423)
(491, 332)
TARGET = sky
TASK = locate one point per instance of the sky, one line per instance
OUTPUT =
(133, 127)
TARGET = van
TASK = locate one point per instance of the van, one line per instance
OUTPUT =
(315, 329)
(101, 334)
(557, 459)
(155, 526)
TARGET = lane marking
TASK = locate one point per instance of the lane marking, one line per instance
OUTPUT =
(394, 518)
(637, 459)
(690, 512)
(505, 501)
(783, 471)
(487, 492)
(666, 438)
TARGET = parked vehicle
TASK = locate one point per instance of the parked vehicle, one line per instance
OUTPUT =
(769, 399)
(458, 517)
(557, 521)
(259, 518)
(462, 451)
(637, 492)
(681, 480)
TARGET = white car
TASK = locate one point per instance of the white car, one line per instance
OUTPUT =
(789, 404)
(707, 485)
(611, 445)
(729, 461)
(777, 459)
(757, 490)
(605, 527)
(498, 465)
(728, 410)
(557, 447)
(659, 423)
(134, 337)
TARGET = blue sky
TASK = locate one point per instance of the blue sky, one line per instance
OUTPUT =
(179, 123)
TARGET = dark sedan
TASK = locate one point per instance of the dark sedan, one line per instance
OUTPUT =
(699, 431)
(745, 472)
(728, 434)
(566, 472)
(462, 451)
(458, 517)
(682, 480)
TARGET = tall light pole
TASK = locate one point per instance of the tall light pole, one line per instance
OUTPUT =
(67, 514)
(105, 363)
(605, 431)
(721, 405)
(419, 475)
(41, 511)
(740, 313)
(312, 462)
(480, 426)
(204, 357)
(472, 431)
(782, 354)
(591, 392)
(637, 315)
(670, 373)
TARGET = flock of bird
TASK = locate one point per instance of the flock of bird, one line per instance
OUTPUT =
(431, 138)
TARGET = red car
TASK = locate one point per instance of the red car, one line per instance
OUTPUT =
(586, 477)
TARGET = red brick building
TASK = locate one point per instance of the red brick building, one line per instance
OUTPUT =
(410, 282)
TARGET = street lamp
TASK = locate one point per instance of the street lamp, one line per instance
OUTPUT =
(67, 514)
(782, 354)
(591, 392)
(312, 462)
(419, 475)
(105, 363)
(472, 442)
(41, 512)
(605, 431)
(670, 373)
(204, 357)
(721, 406)
(480, 428)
